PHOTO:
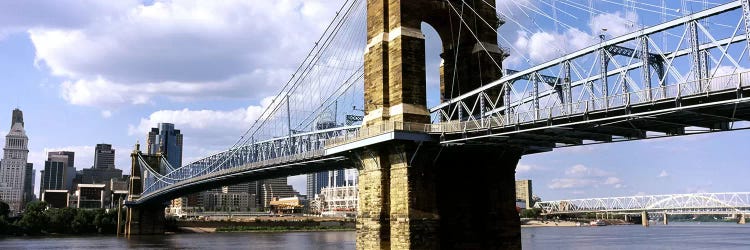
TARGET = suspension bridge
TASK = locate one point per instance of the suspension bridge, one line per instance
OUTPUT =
(632, 70)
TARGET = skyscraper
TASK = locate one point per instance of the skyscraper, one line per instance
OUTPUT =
(28, 184)
(70, 169)
(57, 172)
(320, 180)
(104, 156)
(166, 140)
(13, 164)
(104, 167)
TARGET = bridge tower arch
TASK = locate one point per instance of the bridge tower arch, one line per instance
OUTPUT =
(395, 82)
(423, 195)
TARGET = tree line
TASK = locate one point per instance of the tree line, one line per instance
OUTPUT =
(39, 219)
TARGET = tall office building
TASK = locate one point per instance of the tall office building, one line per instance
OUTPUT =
(57, 172)
(70, 169)
(274, 188)
(166, 140)
(13, 164)
(317, 181)
(104, 156)
(28, 184)
(104, 167)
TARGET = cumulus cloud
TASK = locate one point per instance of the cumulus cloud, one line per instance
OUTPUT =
(568, 183)
(206, 128)
(663, 174)
(18, 16)
(583, 171)
(524, 168)
(581, 176)
(542, 46)
(182, 50)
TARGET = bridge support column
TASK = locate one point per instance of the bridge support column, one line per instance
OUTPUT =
(666, 220)
(427, 197)
(626, 218)
(644, 218)
(373, 217)
(144, 220)
(742, 219)
(476, 198)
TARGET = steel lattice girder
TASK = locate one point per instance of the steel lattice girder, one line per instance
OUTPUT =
(705, 202)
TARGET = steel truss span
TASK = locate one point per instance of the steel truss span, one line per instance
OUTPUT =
(697, 203)
(627, 87)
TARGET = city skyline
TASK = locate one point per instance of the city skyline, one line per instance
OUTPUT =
(106, 95)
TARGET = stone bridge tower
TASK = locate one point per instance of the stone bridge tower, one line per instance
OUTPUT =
(395, 82)
(425, 195)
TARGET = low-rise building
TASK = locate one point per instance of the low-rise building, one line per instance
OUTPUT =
(91, 195)
(56, 198)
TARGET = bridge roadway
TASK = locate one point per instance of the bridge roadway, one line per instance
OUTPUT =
(714, 110)
(736, 203)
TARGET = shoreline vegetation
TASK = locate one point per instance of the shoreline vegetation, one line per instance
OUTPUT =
(268, 229)
(37, 219)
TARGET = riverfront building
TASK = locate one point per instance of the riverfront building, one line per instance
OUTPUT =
(13, 164)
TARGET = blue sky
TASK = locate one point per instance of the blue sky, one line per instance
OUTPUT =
(89, 72)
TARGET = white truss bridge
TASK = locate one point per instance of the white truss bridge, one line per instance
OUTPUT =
(695, 203)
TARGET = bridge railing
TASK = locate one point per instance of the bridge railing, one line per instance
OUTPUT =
(688, 89)
(261, 153)
(369, 131)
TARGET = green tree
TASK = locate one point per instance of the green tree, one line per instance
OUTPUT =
(4, 210)
(60, 220)
(83, 222)
(34, 220)
(531, 213)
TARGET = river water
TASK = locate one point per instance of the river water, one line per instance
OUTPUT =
(674, 236)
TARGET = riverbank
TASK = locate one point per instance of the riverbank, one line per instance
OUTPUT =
(298, 224)
(547, 223)
(552, 223)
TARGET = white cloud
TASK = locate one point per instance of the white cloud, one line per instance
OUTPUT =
(18, 16)
(583, 171)
(182, 50)
(106, 113)
(568, 183)
(211, 129)
(542, 46)
(616, 24)
(663, 174)
(580, 176)
(612, 181)
(524, 168)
